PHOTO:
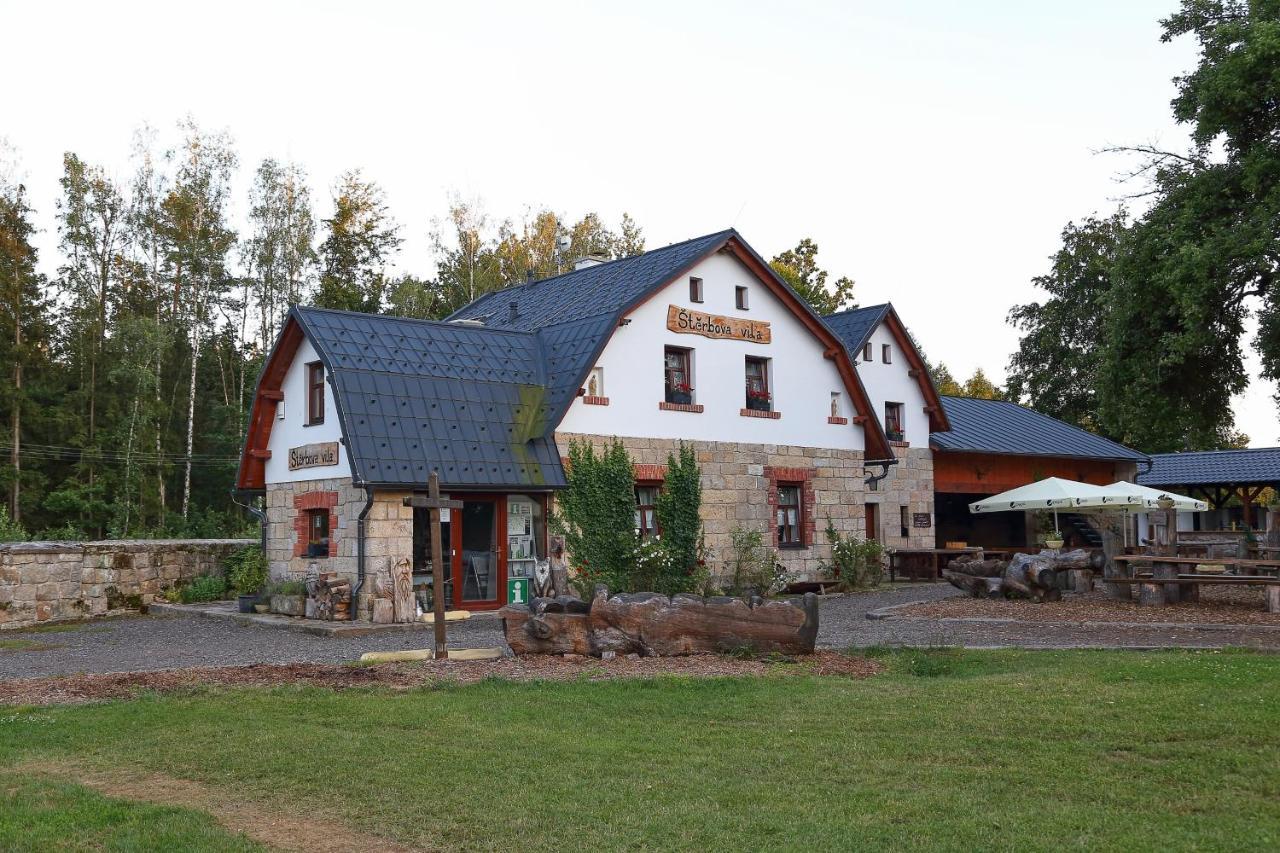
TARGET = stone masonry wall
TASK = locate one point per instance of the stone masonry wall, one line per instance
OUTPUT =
(909, 484)
(388, 529)
(58, 581)
(736, 488)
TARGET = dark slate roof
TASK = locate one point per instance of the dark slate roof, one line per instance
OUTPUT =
(593, 291)
(1225, 467)
(855, 326)
(998, 426)
(472, 403)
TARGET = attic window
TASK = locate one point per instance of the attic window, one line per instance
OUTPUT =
(740, 297)
(695, 289)
(866, 353)
(315, 393)
(886, 353)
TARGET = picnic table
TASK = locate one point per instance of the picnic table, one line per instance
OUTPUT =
(924, 564)
(1173, 579)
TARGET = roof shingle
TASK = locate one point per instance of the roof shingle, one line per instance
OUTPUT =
(998, 426)
(1256, 465)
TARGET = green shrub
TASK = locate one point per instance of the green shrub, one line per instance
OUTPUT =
(679, 518)
(856, 563)
(10, 530)
(287, 588)
(247, 569)
(751, 566)
(204, 588)
(596, 515)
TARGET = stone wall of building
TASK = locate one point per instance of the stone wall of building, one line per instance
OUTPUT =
(388, 529)
(58, 581)
(909, 484)
(736, 487)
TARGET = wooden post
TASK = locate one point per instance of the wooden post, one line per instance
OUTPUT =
(1110, 547)
(435, 503)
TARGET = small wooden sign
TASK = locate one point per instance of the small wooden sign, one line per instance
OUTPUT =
(921, 519)
(313, 455)
(686, 321)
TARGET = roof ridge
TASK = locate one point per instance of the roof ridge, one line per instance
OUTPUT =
(448, 324)
(538, 281)
(1218, 450)
(857, 308)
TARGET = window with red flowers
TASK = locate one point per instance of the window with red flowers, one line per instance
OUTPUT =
(677, 362)
(759, 398)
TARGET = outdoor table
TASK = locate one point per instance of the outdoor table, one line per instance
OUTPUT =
(1167, 585)
(924, 564)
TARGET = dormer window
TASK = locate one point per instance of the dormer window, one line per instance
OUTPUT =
(740, 297)
(315, 393)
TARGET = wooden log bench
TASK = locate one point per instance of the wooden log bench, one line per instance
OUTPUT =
(1270, 585)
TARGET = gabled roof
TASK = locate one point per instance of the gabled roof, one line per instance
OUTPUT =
(479, 403)
(1255, 465)
(855, 327)
(998, 426)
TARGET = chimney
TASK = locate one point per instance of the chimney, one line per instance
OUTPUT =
(589, 261)
(528, 276)
(513, 313)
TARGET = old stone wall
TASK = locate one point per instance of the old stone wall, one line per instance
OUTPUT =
(388, 529)
(909, 485)
(57, 581)
(736, 487)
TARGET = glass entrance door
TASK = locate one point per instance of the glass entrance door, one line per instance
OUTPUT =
(479, 561)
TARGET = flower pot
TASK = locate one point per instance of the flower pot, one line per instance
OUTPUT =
(1053, 544)
(288, 605)
(246, 602)
(682, 398)
(757, 405)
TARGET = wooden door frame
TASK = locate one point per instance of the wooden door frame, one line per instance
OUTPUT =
(499, 501)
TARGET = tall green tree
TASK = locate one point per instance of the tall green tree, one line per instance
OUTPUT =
(279, 256)
(467, 262)
(92, 219)
(1056, 367)
(26, 331)
(361, 239)
(1205, 255)
(799, 268)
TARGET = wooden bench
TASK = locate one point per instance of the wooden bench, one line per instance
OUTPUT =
(1269, 584)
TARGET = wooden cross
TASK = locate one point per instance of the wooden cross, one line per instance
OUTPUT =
(435, 503)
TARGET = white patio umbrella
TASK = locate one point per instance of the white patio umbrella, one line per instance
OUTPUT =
(1053, 493)
(1152, 496)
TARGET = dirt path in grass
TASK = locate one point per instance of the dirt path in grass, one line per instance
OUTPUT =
(276, 828)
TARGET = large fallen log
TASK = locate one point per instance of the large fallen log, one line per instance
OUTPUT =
(650, 623)
(1032, 576)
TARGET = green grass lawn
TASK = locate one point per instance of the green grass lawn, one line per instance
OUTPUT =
(948, 750)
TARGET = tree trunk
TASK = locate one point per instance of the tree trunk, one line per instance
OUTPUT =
(15, 457)
(191, 420)
(650, 623)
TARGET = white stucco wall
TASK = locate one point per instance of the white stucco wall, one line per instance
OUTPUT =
(892, 382)
(291, 430)
(801, 379)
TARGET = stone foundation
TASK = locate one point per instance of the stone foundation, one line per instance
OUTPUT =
(59, 581)
(910, 485)
(388, 530)
(736, 489)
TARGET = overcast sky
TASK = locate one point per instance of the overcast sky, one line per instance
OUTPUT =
(934, 150)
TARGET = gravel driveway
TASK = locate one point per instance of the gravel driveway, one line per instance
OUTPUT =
(140, 643)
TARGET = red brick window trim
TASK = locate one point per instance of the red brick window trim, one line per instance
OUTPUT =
(649, 474)
(899, 444)
(595, 401)
(802, 479)
(301, 519)
(833, 419)
(695, 408)
(755, 413)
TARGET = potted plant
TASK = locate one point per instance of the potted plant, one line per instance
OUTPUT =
(247, 571)
(680, 392)
(758, 399)
(1054, 541)
(289, 598)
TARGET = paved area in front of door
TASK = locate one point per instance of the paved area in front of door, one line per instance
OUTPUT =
(167, 642)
